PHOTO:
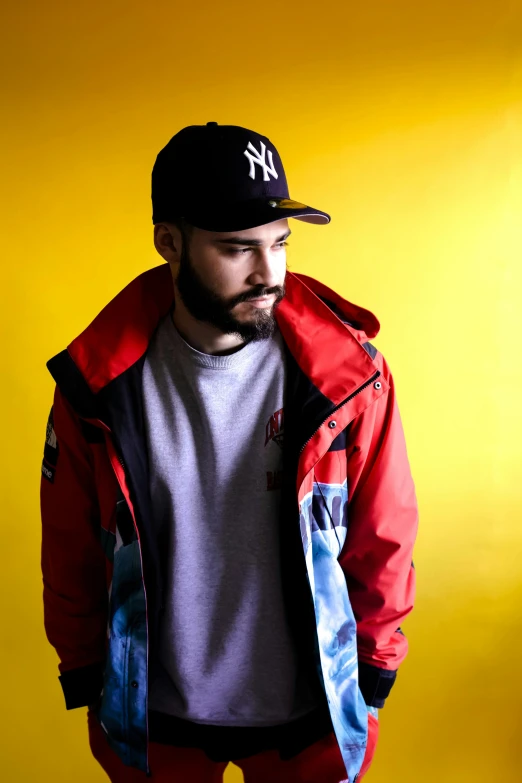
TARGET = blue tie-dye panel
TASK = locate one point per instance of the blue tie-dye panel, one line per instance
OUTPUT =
(123, 709)
(324, 522)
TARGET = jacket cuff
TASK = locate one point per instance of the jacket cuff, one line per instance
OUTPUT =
(82, 687)
(375, 684)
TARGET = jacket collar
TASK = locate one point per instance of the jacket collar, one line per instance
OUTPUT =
(324, 332)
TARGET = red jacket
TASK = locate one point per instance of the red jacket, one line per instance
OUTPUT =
(348, 527)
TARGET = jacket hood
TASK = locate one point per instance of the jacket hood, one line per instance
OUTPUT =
(312, 318)
(363, 323)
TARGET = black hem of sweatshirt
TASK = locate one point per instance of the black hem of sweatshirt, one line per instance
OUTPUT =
(226, 743)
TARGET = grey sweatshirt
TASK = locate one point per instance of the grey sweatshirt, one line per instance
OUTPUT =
(214, 427)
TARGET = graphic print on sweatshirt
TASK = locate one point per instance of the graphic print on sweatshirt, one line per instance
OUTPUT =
(274, 433)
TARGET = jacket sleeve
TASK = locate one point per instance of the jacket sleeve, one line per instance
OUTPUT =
(75, 594)
(382, 525)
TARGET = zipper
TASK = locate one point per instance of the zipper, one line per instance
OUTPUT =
(121, 462)
(338, 407)
(148, 772)
(341, 405)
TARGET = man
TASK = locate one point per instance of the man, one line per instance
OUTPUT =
(228, 510)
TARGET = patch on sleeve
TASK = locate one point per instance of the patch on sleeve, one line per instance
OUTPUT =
(51, 450)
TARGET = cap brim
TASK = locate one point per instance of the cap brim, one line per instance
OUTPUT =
(256, 212)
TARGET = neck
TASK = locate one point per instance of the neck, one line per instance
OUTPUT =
(202, 336)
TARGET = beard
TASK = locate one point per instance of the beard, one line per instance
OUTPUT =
(207, 306)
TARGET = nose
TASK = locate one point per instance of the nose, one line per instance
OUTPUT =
(267, 268)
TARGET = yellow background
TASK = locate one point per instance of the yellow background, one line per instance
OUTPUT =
(403, 121)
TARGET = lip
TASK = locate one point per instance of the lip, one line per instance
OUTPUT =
(263, 302)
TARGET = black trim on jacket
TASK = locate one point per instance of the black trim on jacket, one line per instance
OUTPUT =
(82, 687)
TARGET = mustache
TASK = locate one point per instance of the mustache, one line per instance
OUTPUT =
(258, 293)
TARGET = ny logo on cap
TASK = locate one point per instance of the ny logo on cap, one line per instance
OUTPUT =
(260, 159)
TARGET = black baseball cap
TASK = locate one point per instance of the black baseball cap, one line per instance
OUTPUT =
(223, 178)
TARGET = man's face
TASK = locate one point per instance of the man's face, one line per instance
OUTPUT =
(220, 274)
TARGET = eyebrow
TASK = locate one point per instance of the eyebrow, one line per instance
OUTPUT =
(243, 241)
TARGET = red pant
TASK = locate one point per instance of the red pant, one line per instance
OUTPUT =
(319, 763)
